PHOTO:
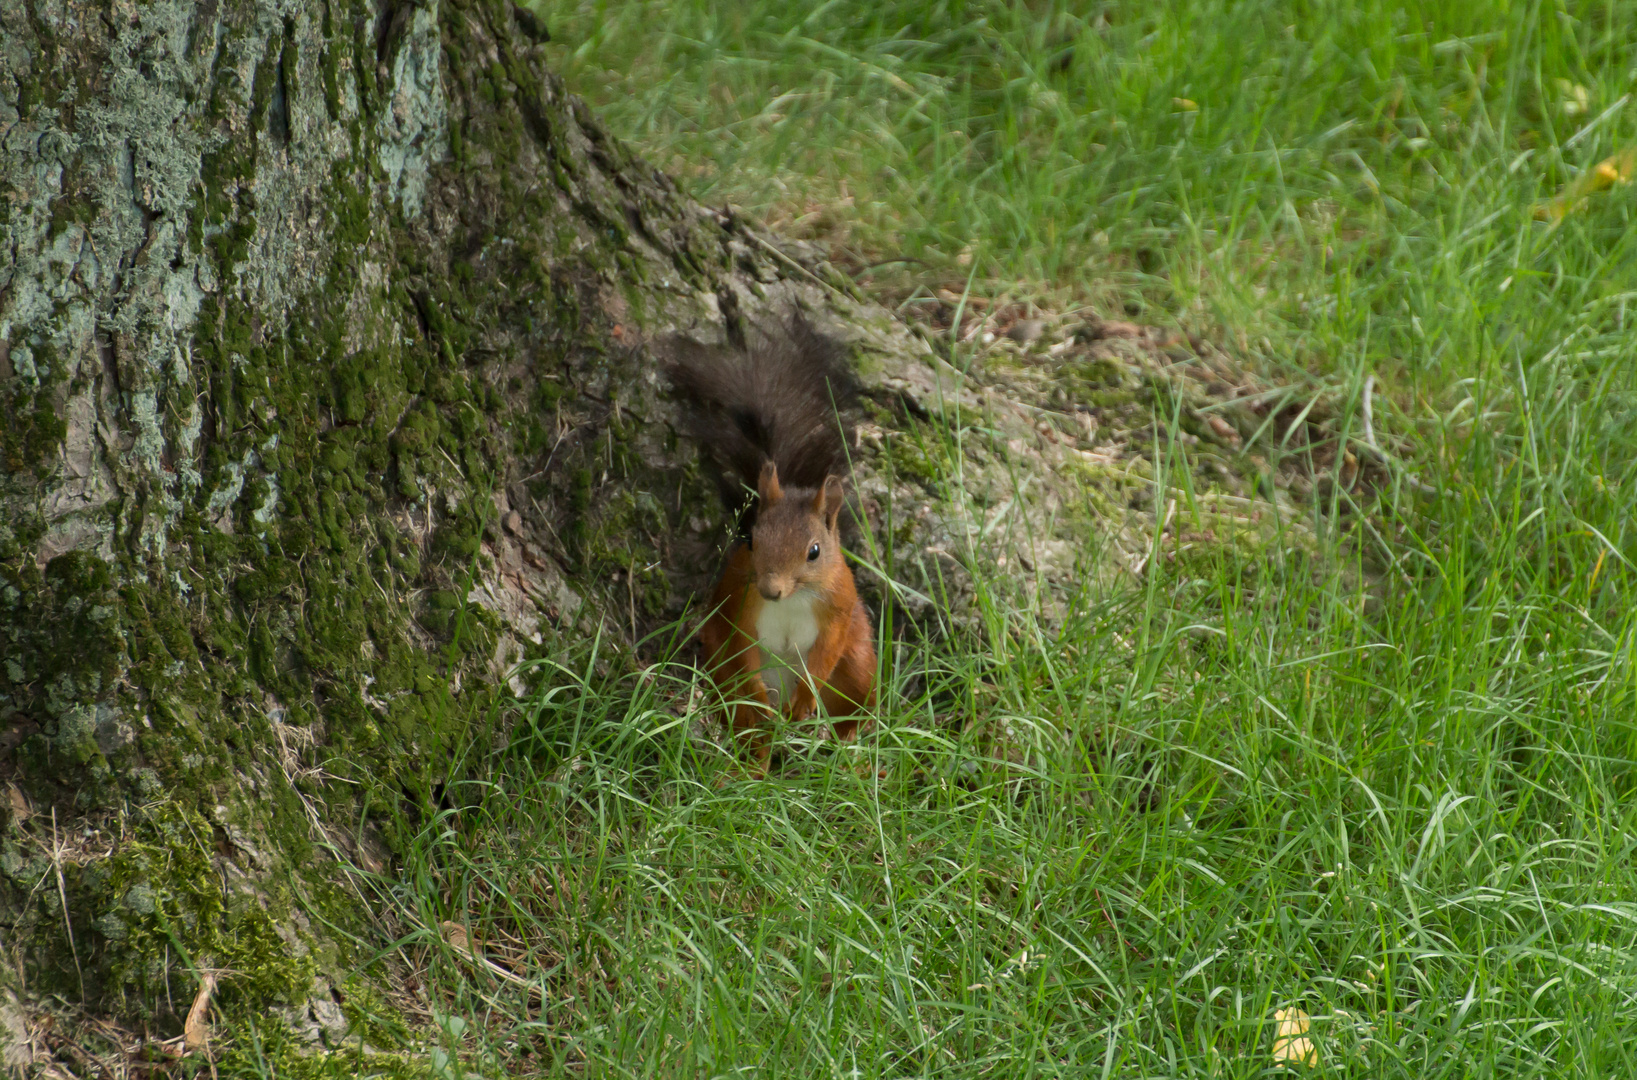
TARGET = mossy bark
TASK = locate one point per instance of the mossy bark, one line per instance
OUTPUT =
(326, 401)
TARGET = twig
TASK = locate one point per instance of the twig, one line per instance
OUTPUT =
(57, 850)
(1369, 425)
(1159, 535)
(1410, 478)
(798, 267)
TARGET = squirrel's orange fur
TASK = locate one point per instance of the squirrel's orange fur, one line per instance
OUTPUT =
(786, 629)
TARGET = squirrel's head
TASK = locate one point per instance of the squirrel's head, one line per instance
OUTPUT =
(796, 541)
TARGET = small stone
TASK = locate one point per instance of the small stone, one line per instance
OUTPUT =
(513, 522)
(1026, 330)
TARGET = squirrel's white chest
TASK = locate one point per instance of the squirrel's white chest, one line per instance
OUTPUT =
(785, 631)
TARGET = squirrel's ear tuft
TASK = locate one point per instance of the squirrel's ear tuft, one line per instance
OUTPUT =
(767, 485)
(827, 503)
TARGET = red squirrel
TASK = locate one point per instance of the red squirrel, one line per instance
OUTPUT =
(786, 628)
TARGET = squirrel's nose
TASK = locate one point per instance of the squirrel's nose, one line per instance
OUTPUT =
(772, 590)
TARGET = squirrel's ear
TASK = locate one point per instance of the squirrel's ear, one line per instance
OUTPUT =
(767, 485)
(827, 503)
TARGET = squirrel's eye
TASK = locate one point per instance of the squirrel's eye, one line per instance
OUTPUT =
(812, 553)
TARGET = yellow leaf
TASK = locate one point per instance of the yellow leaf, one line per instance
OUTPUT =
(1291, 1046)
(1184, 104)
(1609, 172)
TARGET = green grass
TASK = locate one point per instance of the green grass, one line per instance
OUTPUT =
(1119, 846)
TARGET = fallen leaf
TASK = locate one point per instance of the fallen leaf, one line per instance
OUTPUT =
(1185, 104)
(196, 1031)
(1610, 172)
(954, 298)
(1223, 429)
(1291, 1046)
(455, 935)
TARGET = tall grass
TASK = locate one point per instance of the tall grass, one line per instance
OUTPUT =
(1120, 846)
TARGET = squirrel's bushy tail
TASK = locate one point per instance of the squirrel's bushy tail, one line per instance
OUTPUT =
(787, 395)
